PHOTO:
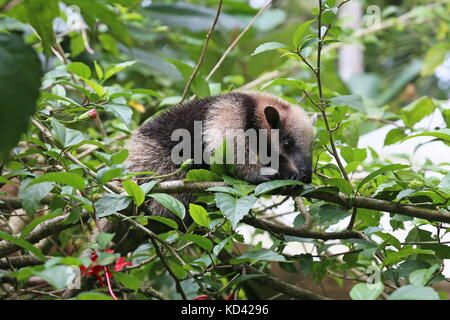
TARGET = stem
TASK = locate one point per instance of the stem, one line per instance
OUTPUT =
(202, 55)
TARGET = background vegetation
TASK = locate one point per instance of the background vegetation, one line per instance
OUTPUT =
(78, 76)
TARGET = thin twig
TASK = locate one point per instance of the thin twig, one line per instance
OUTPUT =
(233, 44)
(202, 55)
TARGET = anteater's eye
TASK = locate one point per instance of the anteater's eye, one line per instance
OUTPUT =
(288, 143)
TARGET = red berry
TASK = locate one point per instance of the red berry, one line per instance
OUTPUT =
(202, 297)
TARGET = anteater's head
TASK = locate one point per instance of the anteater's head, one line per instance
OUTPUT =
(296, 136)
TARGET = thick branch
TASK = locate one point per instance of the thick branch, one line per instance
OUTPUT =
(300, 232)
(359, 202)
(41, 231)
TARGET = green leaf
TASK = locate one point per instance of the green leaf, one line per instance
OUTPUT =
(353, 155)
(199, 84)
(93, 296)
(434, 57)
(23, 244)
(199, 215)
(422, 276)
(300, 33)
(148, 186)
(202, 242)
(414, 293)
(40, 15)
(258, 255)
(272, 185)
(112, 70)
(244, 278)
(58, 276)
(98, 71)
(122, 112)
(66, 178)
(170, 203)
(445, 182)
(294, 83)
(104, 239)
(394, 136)
(388, 168)
(267, 47)
(306, 263)
(342, 184)
(20, 79)
(364, 291)
(99, 90)
(111, 203)
(443, 134)
(234, 209)
(166, 221)
(119, 157)
(225, 189)
(417, 110)
(201, 175)
(65, 136)
(32, 196)
(80, 69)
(105, 175)
(395, 257)
(33, 224)
(352, 101)
(134, 191)
(129, 281)
(94, 11)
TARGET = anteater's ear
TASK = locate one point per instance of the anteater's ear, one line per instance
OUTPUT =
(272, 117)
